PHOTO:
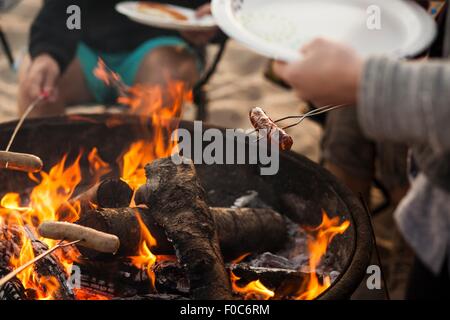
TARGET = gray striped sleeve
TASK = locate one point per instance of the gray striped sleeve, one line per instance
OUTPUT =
(406, 102)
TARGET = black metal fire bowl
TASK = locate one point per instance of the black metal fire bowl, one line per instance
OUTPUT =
(313, 187)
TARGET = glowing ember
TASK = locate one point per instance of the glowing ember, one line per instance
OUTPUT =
(86, 294)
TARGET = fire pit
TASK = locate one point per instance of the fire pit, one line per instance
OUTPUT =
(302, 191)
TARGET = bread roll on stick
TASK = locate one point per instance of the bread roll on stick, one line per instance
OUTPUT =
(20, 161)
(90, 238)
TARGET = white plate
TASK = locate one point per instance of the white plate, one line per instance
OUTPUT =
(279, 28)
(131, 10)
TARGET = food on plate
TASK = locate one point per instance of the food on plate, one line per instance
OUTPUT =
(161, 10)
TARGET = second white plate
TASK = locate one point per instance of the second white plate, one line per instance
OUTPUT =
(132, 11)
(278, 29)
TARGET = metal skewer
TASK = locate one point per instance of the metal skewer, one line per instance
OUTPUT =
(311, 113)
(12, 274)
(302, 117)
(21, 161)
(22, 119)
(116, 81)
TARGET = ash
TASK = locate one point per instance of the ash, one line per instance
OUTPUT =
(295, 255)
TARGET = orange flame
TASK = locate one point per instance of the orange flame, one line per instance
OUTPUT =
(148, 102)
(54, 189)
(157, 103)
(254, 290)
(146, 259)
(97, 167)
(107, 76)
(318, 241)
(161, 105)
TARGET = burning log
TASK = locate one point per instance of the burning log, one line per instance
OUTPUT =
(109, 193)
(50, 266)
(272, 277)
(244, 230)
(240, 230)
(13, 289)
(176, 201)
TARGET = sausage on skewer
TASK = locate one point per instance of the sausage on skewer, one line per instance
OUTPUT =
(20, 161)
(261, 121)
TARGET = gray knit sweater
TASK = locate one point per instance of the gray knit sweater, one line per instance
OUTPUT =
(410, 102)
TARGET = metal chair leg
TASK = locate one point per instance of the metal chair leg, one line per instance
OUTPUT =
(200, 100)
(200, 97)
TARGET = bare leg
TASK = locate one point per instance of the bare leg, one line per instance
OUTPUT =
(72, 89)
(165, 64)
(168, 63)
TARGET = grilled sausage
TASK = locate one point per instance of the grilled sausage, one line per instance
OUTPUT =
(261, 121)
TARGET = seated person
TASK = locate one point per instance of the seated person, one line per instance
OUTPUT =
(61, 61)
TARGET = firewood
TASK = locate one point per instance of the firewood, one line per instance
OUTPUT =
(90, 238)
(240, 230)
(177, 202)
(13, 289)
(248, 230)
(50, 266)
(271, 277)
(109, 193)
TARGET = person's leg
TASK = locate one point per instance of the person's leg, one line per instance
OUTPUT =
(346, 153)
(168, 63)
(72, 89)
(392, 169)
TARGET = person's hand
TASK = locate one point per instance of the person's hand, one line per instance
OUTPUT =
(328, 74)
(42, 77)
(200, 38)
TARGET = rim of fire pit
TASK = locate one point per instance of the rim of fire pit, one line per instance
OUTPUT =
(355, 269)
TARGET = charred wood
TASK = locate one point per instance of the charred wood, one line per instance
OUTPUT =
(176, 200)
(240, 231)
